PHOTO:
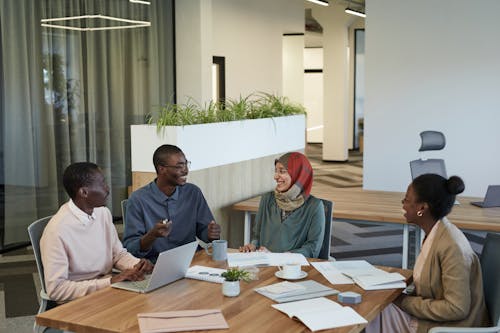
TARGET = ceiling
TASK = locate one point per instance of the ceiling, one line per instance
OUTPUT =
(314, 32)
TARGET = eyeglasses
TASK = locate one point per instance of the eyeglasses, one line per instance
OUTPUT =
(281, 172)
(179, 166)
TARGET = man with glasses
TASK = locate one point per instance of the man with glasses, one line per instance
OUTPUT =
(168, 212)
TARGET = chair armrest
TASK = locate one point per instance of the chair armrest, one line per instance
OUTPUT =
(495, 329)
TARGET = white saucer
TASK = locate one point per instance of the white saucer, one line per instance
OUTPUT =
(279, 274)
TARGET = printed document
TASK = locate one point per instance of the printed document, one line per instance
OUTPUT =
(294, 291)
(242, 259)
(321, 313)
(363, 274)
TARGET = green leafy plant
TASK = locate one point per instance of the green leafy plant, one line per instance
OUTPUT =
(236, 274)
(253, 106)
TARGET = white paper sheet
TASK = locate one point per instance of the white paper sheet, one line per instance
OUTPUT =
(331, 273)
(265, 259)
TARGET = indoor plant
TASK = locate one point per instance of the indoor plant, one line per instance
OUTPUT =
(231, 284)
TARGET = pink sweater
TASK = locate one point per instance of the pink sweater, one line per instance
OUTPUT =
(78, 252)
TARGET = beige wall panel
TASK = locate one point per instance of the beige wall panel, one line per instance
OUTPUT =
(225, 185)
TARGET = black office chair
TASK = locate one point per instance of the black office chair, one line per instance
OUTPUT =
(431, 140)
(490, 266)
(324, 253)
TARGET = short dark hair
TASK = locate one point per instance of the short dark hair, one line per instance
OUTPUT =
(163, 152)
(438, 192)
(78, 175)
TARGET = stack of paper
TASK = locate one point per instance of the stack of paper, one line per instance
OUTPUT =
(360, 272)
(288, 291)
(321, 313)
(177, 321)
(265, 259)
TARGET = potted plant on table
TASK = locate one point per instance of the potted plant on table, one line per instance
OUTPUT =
(231, 284)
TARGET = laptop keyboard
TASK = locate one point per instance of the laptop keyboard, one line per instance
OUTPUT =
(141, 284)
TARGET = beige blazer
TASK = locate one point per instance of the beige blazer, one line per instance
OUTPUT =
(451, 284)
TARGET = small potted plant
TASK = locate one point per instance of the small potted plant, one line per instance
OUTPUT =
(231, 284)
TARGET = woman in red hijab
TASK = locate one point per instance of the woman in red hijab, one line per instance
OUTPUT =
(289, 219)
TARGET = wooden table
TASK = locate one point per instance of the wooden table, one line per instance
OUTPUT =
(115, 310)
(356, 204)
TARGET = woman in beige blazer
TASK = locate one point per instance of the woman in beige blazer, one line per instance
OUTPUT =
(447, 274)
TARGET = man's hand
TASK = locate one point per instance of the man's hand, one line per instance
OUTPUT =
(213, 231)
(135, 273)
(160, 229)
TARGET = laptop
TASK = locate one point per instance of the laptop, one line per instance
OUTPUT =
(491, 199)
(171, 266)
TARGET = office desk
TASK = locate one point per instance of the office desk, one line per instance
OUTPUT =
(115, 310)
(356, 204)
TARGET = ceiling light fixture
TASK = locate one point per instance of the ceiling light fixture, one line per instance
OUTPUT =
(141, 2)
(320, 2)
(130, 23)
(355, 12)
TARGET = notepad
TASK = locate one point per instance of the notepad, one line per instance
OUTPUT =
(369, 277)
(321, 313)
(205, 273)
(300, 290)
(265, 259)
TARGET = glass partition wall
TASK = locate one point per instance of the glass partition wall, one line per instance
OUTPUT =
(71, 95)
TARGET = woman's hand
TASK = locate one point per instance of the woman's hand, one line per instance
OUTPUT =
(263, 249)
(247, 248)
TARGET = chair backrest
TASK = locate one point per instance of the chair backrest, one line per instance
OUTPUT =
(433, 165)
(124, 210)
(490, 265)
(35, 231)
(324, 253)
(432, 140)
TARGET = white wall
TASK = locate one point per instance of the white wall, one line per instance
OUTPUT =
(249, 34)
(438, 70)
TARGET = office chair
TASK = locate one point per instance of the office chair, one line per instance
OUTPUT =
(431, 140)
(490, 267)
(324, 253)
(124, 210)
(35, 231)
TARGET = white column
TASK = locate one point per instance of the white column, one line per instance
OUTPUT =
(293, 67)
(193, 37)
(335, 25)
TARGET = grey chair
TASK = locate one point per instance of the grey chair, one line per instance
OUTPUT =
(324, 253)
(124, 210)
(431, 140)
(490, 266)
(35, 231)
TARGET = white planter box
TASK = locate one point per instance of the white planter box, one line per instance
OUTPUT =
(216, 144)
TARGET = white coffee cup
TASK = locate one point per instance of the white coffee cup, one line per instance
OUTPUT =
(290, 271)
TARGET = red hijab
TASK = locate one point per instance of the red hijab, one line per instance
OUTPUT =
(300, 171)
